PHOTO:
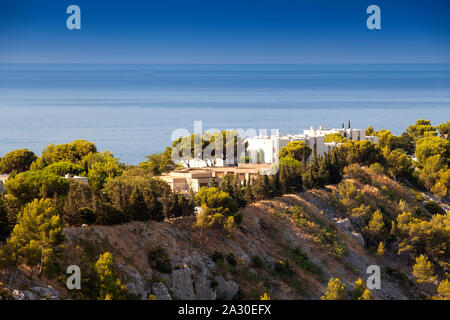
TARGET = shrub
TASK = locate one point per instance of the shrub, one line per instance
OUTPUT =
(231, 259)
(257, 262)
(335, 290)
(377, 168)
(283, 268)
(302, 260)
(159, 260)
(354, 171)
(217, 256)
(433, 207)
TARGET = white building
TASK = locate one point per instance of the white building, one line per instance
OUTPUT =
(269, 146)
(84, 180)
(264, 149)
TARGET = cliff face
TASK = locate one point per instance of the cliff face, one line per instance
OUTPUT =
(286, 254)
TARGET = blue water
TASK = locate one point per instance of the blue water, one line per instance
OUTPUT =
(132, 110)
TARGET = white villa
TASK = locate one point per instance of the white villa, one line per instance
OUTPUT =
(266, 148)
(270, 146)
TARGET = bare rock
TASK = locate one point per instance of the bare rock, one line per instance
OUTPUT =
(159, 289)
(226, 290)
(182, 285)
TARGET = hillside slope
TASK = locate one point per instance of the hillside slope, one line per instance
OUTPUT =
(288, 247)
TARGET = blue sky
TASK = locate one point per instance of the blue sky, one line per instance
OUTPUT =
(219, 31)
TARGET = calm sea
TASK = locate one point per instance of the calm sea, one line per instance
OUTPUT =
(132, 110)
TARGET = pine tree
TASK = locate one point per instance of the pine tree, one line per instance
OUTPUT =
(110, 286)
(361, 292)
(376, 223)
(423, 270)
(37, 235)
(265, 296)
(359, 289)
(443, 290)
(248, 195)
(276, 184)
(367, 295)
(380, 250)
(335, 175)
(335, 290)
(138, 209)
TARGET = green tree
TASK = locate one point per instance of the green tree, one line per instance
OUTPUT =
(265, 296)
(37, 236)
(335, 290)
(119, 191)
(77, 206)
(369, 131)
(444, 130)
(423, 270)
(398, 164)
(335, 137)
(376, 223)
(380, 250)
(431, 171)
(443, 290)
(216, 201)
(158, 163)
(30, 185)
(5, 227)
(360, 292)
(290, 174)
(431, 146)
(367, 295)
(297, 150)
(62, 168)
(17, 160)
(261, 187)
(421, 129)
(101, 172)
(73, 152)
(363, 152)
(110, 286)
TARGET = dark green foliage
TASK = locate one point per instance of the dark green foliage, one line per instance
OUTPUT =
(283, 268)
(302, 260)
(136, 197)
(433, 207)
(5, 227)
(261, 188)
(231, 184)
(158, 259)
(231, 259)
(257, 262)
(217, 256)
(177, 205)
(290, 176)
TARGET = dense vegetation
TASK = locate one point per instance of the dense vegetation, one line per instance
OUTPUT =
(39, 201)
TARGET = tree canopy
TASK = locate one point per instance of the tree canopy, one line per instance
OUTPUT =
(17, 160)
